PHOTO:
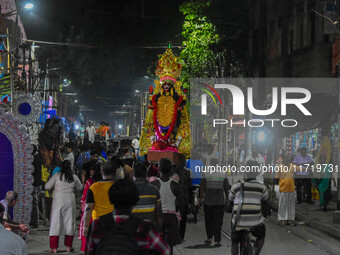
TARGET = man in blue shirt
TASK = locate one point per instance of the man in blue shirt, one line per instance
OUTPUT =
(303, 177)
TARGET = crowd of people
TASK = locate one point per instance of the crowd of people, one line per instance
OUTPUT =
(129, 204)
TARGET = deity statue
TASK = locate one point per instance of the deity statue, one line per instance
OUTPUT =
(167, 126)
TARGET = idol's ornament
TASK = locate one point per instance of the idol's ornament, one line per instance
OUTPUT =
(26, 107)
(167, 126)
(16, 165)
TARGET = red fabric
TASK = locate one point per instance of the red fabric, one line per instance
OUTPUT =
(54, 242)
(68, 241)
(152, 241)
(88, 183)
(83, 243)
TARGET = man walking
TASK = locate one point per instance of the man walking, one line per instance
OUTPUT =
(70, 155)
(97, 199)
(149, 205)
(215, 188)
(303, 177)
(135, 144)
(170, 192)
(91, 131)
(256, 156)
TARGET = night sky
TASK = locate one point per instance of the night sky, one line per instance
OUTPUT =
(127, 37)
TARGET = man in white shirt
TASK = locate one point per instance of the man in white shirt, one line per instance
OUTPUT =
(70, 155)
(91, 131)
(255, 156)
(135, 144)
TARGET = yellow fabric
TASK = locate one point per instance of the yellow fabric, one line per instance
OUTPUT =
(286, 183)
(101, 130)
(315, 193)
(146, 210)
(44, 176)
(146, 196)
(183, 130)
(102, 204)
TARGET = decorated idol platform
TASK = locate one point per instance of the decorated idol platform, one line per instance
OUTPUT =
(166, 132)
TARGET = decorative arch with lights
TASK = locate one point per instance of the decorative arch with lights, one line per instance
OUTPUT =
(16, 171)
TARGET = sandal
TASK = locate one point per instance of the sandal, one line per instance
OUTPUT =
(283, 223)
(208, 242)
(217, 244)
(53, 251)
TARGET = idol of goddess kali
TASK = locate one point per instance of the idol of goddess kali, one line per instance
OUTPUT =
(167, 127)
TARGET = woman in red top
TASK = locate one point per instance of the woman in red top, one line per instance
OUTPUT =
(91, 177)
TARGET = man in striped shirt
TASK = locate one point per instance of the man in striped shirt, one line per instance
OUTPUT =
(252, 210)
(149, 205)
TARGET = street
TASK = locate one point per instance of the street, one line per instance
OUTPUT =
(190, 97)
(298, 240)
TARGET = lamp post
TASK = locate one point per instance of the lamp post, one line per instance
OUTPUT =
(27, 6)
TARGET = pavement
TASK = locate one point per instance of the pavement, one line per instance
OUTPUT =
(280, 240)
(314, 233)
(302, 239)
(313, 216)
(38, 242)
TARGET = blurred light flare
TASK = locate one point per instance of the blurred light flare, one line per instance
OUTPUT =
(29, 6)
(261, 136)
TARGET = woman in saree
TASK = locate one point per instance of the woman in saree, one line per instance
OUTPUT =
(91, 177)
(323, 183)
(286, 209)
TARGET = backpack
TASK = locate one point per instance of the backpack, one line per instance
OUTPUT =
(119, 239)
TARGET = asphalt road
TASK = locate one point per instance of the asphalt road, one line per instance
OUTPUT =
(298, 240)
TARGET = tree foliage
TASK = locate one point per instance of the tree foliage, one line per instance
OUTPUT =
(200, 36)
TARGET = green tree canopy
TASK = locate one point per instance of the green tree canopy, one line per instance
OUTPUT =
(200, 36)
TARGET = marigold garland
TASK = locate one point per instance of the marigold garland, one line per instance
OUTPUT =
(172, 126)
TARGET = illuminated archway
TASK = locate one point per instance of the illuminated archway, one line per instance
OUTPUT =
(16, 134)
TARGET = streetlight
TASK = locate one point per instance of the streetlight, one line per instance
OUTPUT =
(29, 6)
(261, 136)
(66, 82)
